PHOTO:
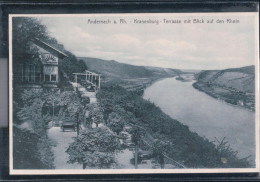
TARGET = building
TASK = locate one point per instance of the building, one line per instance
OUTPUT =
(43, 70)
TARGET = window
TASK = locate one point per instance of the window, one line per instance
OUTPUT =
(47, 78)
(26, 73)
(31, 73)
(53, 78)
(38, 74)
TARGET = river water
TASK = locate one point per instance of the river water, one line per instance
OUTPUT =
(205, 115)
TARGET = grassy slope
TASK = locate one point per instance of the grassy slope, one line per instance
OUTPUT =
(235, 85)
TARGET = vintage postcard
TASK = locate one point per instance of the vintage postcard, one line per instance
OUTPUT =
(134, 93)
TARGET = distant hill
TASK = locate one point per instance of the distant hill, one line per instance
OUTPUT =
(130, 77)
(241, 79)
(235, 86)
(114, 69)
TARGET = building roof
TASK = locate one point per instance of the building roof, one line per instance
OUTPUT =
(49, 48)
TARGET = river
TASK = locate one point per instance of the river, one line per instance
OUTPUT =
(205, 115)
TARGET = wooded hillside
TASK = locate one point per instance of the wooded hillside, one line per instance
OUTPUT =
(114, 69)
(235, 86)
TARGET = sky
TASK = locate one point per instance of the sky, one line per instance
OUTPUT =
(170, 45)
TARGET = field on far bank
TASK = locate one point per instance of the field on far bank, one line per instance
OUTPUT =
(235, 86)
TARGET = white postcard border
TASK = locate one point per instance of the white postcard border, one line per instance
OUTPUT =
(135, 171)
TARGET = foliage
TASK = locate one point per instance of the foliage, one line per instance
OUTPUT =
(25, 154)
(159, 148)
(25, 29)
(71, 65)
(228, 155)
(115, 123)
(94, 147)
(85, 100)
(136, 135)
(106, 102)
(136, 138)
(66, 105)
(44, 147)
(31, 113)
(95, 113)
(100, 160)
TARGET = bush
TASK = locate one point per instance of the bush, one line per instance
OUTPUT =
(94, 148)
(25, 153)
(115, 123)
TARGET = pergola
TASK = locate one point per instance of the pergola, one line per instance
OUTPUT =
(91, 78)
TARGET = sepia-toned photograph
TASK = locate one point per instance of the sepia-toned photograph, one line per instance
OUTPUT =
(134, 93)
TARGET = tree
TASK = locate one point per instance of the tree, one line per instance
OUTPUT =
(25, 29)
(136, 137)
(71, 65)
(25, 154)
(94, 148)
(66, 106)
(85, 100)
(82, 64)
(159, 148)
(106, 102)
(31, 114)
(115, 123)
(96, 114)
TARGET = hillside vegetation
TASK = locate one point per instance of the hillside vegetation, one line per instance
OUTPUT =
(235, 86)
(128, 76)
(114, 69)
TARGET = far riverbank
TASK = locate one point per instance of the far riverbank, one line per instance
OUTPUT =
(230, 96)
